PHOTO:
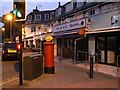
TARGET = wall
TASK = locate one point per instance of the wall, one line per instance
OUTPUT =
(91, 44)
(27, 30)
(55, 47)
(102, 20)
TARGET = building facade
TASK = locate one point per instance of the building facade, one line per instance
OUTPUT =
(36, 28)
(99, 20)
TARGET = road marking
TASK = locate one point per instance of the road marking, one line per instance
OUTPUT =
(10, 80)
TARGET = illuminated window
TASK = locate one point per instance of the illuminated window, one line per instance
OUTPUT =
(33, 29)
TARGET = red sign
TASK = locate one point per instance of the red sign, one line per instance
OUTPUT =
(81, 31)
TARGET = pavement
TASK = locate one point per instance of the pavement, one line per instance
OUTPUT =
(69, 75)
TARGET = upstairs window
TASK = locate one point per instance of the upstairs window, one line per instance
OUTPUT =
(51, 15)
(80, 3)
(89, 1)
(38, 17)
(29, 17)
(108, 7)
(46, 16)
(69, 7)
(92, 12)
(58, 12)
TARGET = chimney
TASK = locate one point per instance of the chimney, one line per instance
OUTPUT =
(36, 8)
(59, 4)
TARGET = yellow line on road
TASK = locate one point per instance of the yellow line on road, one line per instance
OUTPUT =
(10, 80)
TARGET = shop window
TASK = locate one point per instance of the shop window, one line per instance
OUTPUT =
(33, 29)
(111, 49)
(101, 49)
(111, 43)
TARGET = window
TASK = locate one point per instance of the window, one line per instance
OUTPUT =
(88, 1)
(92, 12)
(100, 48)
(38, 17)
(51, 15)
(58, 12)
(33, 29)
(80, 3)
(108, 7)
(29, 17)
(46, 16)
(69, 7)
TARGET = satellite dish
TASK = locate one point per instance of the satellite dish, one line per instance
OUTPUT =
(114, 19)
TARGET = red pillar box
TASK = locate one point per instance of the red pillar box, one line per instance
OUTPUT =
(49, 57)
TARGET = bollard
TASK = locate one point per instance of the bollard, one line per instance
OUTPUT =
(91, 66)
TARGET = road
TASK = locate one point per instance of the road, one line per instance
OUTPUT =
(10, 70)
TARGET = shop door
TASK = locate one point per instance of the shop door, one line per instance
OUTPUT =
(81, 50)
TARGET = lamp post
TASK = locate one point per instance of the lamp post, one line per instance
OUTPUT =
(10, 17)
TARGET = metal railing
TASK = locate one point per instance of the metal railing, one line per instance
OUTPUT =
(90, 60)
(86, 61)
(118, 65)
(118, 71)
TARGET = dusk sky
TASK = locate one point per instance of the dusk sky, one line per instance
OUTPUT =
(6, 5)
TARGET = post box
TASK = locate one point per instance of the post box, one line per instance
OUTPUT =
(49, 57)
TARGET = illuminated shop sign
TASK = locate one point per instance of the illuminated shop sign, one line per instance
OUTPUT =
(71, 25)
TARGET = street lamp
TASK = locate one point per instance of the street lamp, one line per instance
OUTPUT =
(3, 29)
(10, 18)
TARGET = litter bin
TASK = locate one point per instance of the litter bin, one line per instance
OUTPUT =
(33, 66)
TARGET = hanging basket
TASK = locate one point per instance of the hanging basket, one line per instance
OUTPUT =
(81, 31)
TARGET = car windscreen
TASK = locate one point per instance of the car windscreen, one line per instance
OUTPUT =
(9, 45)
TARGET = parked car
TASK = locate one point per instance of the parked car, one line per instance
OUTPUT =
(9, 50)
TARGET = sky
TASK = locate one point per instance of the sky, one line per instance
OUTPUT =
(7, 5)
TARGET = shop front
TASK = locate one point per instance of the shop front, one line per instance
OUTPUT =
(65, 46)
(108, 47)
(66, 35)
